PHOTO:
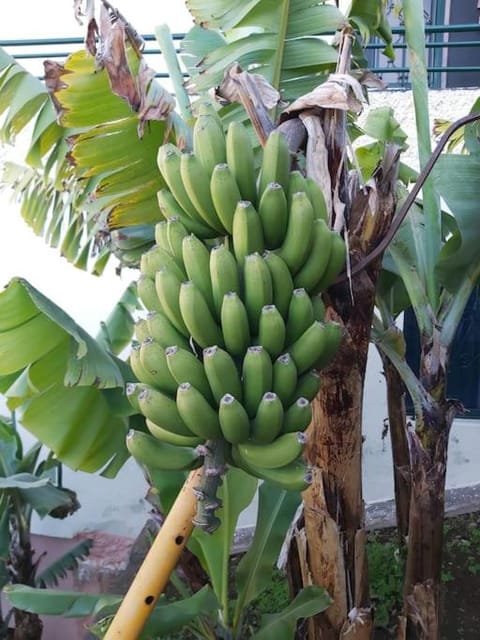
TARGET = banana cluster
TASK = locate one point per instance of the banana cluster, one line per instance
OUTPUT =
(235, 334)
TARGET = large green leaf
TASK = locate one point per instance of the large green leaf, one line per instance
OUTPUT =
(39, 493)
(281, 626)
(60, 567)
(213, 550)
(276, 508)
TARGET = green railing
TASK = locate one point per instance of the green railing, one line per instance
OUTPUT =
(443, 43)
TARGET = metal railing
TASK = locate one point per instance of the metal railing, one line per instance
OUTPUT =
(442, 40)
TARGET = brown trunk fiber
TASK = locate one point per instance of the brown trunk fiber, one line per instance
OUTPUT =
(397, 422)
(28, 626)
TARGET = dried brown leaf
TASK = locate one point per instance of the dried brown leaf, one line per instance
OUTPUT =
(156, 102)
(53, 81)
(236, 79)
(340, 91)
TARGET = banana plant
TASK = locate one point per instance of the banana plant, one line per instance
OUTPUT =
(28, 484)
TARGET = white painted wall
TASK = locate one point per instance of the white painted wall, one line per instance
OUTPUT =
(117, 506)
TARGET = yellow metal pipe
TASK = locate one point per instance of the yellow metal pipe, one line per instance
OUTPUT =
(153, 575)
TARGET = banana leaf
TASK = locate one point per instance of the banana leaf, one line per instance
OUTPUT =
(60, 567)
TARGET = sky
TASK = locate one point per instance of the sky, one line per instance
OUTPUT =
(87, 298)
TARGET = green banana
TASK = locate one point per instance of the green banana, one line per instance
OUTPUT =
(295, 476)
(300, 315)
(282, 451)
(170, 207)
(209, 141)
(162, 410)
(154, 361)
(317, 262)
(154, 454)
(336, 263)
(318, 307)
(234, 420)
(157, 258)
(197, 413)
(296, 183)
(275, 162)
(184, 366)
(268, 421)
(132, 391)
(284, 377)
(308, 385)
(172, 438)
(298, 238)
(137, 367)
(176, 232)
(257, 288)
(197, 186)
(197, 316)
(169, 159)
(148, 294)
(225, 194)
(161, 231)
(196, 258)
(163, 331)
(282, 282)
(311, 346)
(141, 329)
(247, 231)
(241, 161)
(235, 327)
(271, 330)
(317, 199)
(223, 275)
(168, 287)
(222, 373)
(273, 212)
(257, 376)
(333, 339)
(298, 416)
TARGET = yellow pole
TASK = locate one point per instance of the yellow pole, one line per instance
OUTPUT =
(157, 566)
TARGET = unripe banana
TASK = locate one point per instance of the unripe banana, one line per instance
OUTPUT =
(333, 338)
(308, 385)
(257, 376)
(318, 307)
(311, 346)
(317, 262)
(234, 421)
(257, 287)
(169, 160)
(196, 258)
(225, 195)
(241, 161)
(197, 413)
(300, 315)
(298, 416)
(295, 476)
(336, 262)
(282, 451)
(153, 454)
(132, 391)
(198, 317)
(247, 231)
(317, 199)
(268, 421)
(282, 282)
(156, 258)
(161, 237)
(172, 438)
(141, 330)
(284, 378)
(209, 141)
(223, 275)
(162, 410)
(273, 212)
(235, 326)
(197, 186)
(275, 162)
(176, 232)
(271, 330)
(168, 286)
(184, 366)
(163, 331)
(222, 373)
(154, 361)
(296, 183)
(170, 207)
(298, 239)
(148, 294)
(137, 367)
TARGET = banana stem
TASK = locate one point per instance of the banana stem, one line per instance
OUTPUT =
(159, 563)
